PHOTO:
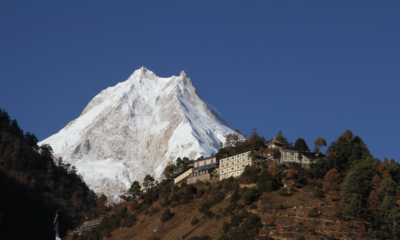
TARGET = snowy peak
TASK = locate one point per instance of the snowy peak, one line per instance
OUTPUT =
(136, 127)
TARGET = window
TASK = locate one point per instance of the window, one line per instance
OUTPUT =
(238, 162)
(233, 174)
(285, 158)
(222, 165)
(227, 159)
(238, 167)
(248, 154)
(233, 157)
(291, 159)
(227, 169)
(222, 160)
(237, 156)
(233, 168)
(243, 166)
(292, 154)
(242, 154)
(222, 171)
(237, 173)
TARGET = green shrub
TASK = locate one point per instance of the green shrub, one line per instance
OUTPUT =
(184, 184)
(205, 208)
(225, 227)
(248, 197)
(176, 188)
(236, 220)
(166, 216)
(235, 196)
(175, 197)
(130, 221)
(301, 238)
(191, 190)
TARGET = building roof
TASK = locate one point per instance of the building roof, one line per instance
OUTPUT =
(274, 141)
(286, 150)
(204, 159)
(237, 154)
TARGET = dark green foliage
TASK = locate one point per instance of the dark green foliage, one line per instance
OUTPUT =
(355, 208)
(108, 224)
(148, 182)
(134, 191)
(301, 238)
(190, 189)
(301, 145)
(33, 186)
(236, 220)
(387, 188)
(225, 227)
(205, 208)
(265, 182)
(166, 202)
(248, 197)
(358, 181)
(175, 197)
(166, 216)
(235, 196)
(250, 174)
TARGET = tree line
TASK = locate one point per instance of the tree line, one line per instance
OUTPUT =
(33, 185)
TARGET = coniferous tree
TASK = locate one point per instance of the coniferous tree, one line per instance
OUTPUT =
(358, 182)
(148, 182)
(134, 190)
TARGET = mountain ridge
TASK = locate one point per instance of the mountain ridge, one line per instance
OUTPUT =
(136, 127)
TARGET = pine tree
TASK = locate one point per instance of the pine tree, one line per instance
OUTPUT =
(355, 208)
(358, 182)
(387, 187)
(134, 190)
(148, 182)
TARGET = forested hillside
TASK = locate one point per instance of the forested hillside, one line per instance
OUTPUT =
(33, 187)
(347, 194)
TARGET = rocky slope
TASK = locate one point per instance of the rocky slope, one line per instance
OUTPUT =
(135, 128)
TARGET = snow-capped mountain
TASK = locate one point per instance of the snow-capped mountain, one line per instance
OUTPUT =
(135, 128)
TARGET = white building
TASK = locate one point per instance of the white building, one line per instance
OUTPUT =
(234, 165)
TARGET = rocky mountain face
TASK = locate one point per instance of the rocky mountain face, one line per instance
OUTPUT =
(135, 128)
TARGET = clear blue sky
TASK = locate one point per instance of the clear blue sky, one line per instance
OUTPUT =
(309, 68)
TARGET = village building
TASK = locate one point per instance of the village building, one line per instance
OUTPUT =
(182, 176)
(234, 165)
(291, 157)
(206, 163)
(203, 170)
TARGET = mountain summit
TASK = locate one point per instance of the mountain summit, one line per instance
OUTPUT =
(135, 128)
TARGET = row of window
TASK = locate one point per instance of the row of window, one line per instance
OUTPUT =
(223, 165)
(233, 168)
(233, 174)
(233, 157)
(202, 163)
(304, 159)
